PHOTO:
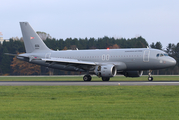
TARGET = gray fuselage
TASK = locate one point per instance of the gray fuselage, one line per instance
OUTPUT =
(124, 59)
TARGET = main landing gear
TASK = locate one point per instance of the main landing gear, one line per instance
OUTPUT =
(150, 78)
(87, 78)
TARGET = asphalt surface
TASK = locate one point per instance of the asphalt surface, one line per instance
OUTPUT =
(82, 83)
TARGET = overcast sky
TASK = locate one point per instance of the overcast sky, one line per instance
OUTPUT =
(154, 20)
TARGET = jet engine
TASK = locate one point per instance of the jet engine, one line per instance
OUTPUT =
(105, 71)
(133, 73)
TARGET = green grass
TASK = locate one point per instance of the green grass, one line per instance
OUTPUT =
(80, 78)
(89, 102)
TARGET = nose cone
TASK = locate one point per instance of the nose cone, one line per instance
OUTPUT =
(172, 61)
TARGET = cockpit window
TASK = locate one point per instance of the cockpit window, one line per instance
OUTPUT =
(161, 55)
(165, 54)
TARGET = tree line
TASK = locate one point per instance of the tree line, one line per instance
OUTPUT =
(11, 66)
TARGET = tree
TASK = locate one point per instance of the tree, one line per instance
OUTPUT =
(170, 49)
(5, 62)
(65, 48)
(152, 45)
(43, 35)
(24, 68)
(73, 47)
(92, 43)
(139, 45)
(158, 45)
(115, 46)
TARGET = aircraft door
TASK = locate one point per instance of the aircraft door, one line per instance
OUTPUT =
(146, 55)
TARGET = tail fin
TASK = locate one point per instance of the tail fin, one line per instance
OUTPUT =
(31, 39)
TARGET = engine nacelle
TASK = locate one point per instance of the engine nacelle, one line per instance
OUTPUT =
(105, 71)
(133, 73)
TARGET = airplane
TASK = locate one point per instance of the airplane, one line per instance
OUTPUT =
(104, 63)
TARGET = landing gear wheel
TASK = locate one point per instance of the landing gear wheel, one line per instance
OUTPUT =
(105, 78)
(87, 78)
(150, 78)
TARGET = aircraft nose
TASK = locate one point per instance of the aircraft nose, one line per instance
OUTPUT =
(172, 61)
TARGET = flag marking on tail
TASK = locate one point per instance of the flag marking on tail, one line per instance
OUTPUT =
(31, 38)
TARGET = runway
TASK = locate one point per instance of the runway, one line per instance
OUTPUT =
(77, 83)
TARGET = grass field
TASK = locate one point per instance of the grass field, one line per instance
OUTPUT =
(89, 102)
(80, 78)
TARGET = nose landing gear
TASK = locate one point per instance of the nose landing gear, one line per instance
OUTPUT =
(150, 78)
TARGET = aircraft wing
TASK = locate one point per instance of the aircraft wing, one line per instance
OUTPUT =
(71, 62)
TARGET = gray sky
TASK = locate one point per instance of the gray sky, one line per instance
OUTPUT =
(154, 20)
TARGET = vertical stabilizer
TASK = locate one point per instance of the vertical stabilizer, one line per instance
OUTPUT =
(32, 41)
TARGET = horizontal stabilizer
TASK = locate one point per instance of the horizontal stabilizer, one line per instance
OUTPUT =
(11, 54)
